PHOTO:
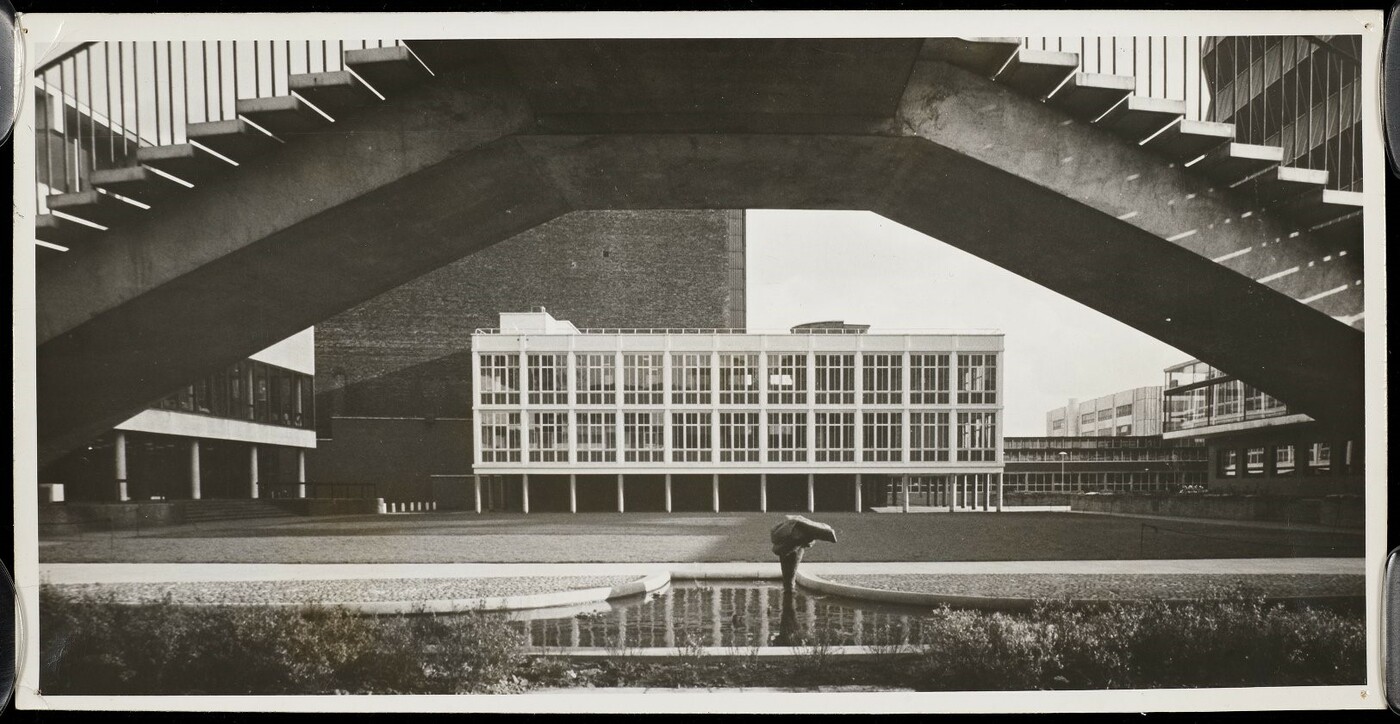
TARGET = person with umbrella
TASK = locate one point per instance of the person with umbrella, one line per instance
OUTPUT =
(793, 536)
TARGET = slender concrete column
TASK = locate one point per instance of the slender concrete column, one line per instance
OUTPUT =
(714, 492)
(859, 507)
(811, 493)
(194, 470)
(976, 491)
(948, 491)
(763, 492)
(620, 495)
(301, 469)
(573, 493)
(525, 493)
(904, 492)
(668, 492)
(119, 447)
(476, 491)
(1001, 480)
(253, 471)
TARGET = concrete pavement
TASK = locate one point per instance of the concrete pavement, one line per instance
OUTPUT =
(69, 573)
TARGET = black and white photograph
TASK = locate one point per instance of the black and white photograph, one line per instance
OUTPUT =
(922, 361)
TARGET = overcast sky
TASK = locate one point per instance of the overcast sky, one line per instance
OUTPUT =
(806, 266)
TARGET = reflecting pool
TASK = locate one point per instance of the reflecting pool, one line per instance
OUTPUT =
(734, 614)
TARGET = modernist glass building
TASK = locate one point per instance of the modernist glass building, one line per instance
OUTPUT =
(241, 433)
(821, 418)
(1255, 443)
(1103, 464)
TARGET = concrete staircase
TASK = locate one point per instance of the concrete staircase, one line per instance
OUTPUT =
(1160, 126)
(124, 195)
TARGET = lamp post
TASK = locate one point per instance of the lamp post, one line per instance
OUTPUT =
(1063, 455)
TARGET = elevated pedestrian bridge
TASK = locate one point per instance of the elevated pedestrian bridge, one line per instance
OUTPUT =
(312, 185)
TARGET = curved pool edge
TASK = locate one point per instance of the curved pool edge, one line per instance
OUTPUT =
(1012, 603)
(553, 599)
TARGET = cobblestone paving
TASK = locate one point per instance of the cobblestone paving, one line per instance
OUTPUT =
(1124, 586)
(339, 591)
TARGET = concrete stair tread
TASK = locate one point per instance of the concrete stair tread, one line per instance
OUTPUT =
(136, 182)
(185, 161)
(95, 206)
(1138, 117)
(1231, 162)
(64, 232)
(1187, 139)
(1037, 72)
(235, 138)
(332, 92)
(388, 70)
(1087, 96)
(1283, 183)
(985, 56)
(281, 115)
(1319, 206)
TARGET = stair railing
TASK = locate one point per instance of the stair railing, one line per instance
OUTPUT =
(1302, 93)
(98, 102)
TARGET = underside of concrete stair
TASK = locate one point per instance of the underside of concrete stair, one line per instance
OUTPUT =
(388, 70)
(1187, 140)
(185, 161)
(64, 232)
(1038, 72)
(1138, 117)
(1087, 96)
(235, 138)
(1232, 162)
(282, 115)
(95, 206)
(334, 92)
(984, 56)
(137, 182)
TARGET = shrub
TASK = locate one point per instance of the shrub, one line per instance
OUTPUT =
(97, 646)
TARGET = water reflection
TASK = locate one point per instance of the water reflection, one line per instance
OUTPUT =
(732, 614)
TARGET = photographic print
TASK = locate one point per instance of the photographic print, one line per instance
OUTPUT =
(828, 361)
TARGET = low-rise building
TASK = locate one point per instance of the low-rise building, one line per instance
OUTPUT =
(822, 417)
(1135, 412)
(1129, 464)
(1256, 443)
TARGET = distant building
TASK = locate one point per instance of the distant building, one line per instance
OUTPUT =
(1255, 443)
(1136, 412)
(242, 432)
(1138, 464)
(720, 419)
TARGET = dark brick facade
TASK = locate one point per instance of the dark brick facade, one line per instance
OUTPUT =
(402, 361)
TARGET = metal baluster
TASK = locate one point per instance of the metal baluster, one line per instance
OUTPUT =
(155, 85)
(1264, 91)
(1356, 129)
(107, 76)
(1235, 82)
(1312, 78)
(121, 80)
(1113, 55)
(1098, 54)
(1326, 110)
(170, 86)
(235, 74)
(204, 73)
(308, 56)
(1184, 95)
(289, 59)
(185, 78)
(136, 90)
(219, 53)
(340, 57)
(1149, 66)
(92, 113)
(257, 72)
(62, 117)
(323, 56)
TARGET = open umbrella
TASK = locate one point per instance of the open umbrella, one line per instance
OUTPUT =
(799, 532)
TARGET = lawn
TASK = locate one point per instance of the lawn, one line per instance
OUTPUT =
(690, 537)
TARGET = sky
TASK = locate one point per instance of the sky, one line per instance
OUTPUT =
(806, 266)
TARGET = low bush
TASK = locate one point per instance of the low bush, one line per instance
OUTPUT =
(96, 646)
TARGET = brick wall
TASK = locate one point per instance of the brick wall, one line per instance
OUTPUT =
(406, 353)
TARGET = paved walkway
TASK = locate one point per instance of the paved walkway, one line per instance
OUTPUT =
(67, 573)
(1257, 524)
